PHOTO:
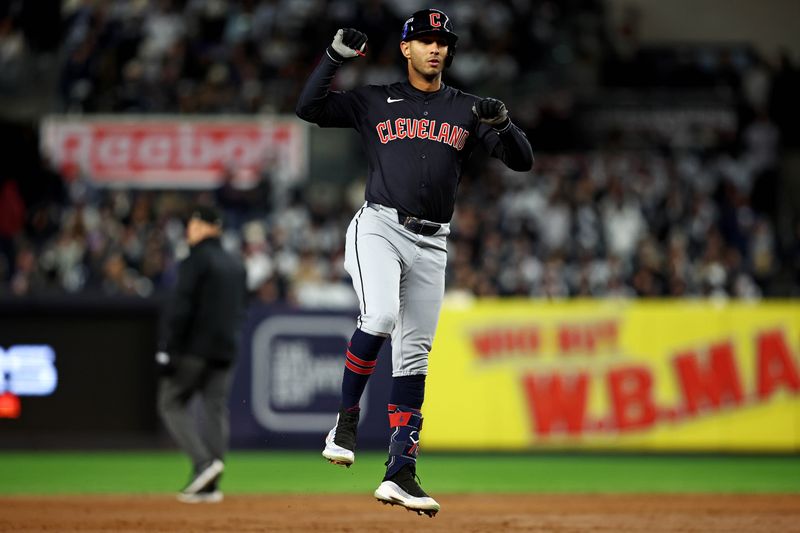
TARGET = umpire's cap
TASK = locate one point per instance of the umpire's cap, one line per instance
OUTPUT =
(206, 213)
(431, 21)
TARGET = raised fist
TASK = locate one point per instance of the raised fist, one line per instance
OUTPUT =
(348, 43)
(492, 112)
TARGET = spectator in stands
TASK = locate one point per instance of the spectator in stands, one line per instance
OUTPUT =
(12, 221)
(691, 212)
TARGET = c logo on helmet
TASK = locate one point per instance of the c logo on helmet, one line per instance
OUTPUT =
(435, 20)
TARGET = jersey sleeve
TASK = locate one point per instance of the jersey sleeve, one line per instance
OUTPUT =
(510, 145)
(319, 105)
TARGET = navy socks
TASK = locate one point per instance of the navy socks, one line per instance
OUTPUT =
(408, 391)
(362, 355)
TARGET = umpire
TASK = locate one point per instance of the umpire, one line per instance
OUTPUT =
(198, 351)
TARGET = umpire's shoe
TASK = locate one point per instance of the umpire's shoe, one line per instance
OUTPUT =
(203, 479)
(208, 495)
(340, 444)
(402, 489)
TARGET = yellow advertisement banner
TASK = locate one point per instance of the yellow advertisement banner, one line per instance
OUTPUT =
(635, 375)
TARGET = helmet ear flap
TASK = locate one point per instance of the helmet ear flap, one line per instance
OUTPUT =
(451, 52)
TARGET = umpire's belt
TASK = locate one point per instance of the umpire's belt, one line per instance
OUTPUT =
(413, 224)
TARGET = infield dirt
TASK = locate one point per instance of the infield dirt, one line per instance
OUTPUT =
(356, 513)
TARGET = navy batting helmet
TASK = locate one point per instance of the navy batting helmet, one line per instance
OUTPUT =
(431, 21)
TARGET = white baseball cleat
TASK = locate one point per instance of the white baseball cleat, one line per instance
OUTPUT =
(336, 454)
(402, 489)
(340, 443)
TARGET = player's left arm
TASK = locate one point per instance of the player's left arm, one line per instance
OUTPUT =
(501, 137)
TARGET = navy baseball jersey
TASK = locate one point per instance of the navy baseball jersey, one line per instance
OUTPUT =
(416, 142)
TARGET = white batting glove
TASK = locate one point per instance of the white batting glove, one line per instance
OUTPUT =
(347, 44)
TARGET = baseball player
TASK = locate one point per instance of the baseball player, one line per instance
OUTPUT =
(417, 135)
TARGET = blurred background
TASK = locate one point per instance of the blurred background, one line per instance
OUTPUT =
(635, 290)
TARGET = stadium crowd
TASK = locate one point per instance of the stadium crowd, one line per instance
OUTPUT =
(675, 216)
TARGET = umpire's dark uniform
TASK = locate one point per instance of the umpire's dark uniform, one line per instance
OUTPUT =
(200, 345)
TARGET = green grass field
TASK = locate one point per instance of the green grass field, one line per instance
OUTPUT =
(307, 472)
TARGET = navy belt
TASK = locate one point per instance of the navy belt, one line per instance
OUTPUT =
(413, 224)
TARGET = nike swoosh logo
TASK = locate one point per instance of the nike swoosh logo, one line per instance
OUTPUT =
(391, 100)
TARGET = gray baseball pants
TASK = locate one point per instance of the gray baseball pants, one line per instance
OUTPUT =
(193, 376)
(399, 278)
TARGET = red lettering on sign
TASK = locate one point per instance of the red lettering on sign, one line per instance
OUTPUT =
(776, 367)
(586, 339)
(711, 383)
(631, 398)
(568, 339)
(556, 402)
(166, 151)
(523, 341)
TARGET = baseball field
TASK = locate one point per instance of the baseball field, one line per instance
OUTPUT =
(299, 491)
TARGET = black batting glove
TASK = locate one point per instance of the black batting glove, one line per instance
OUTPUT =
(347, 44)
(493, 112)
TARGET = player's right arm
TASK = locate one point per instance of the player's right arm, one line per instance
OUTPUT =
(317, 103)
